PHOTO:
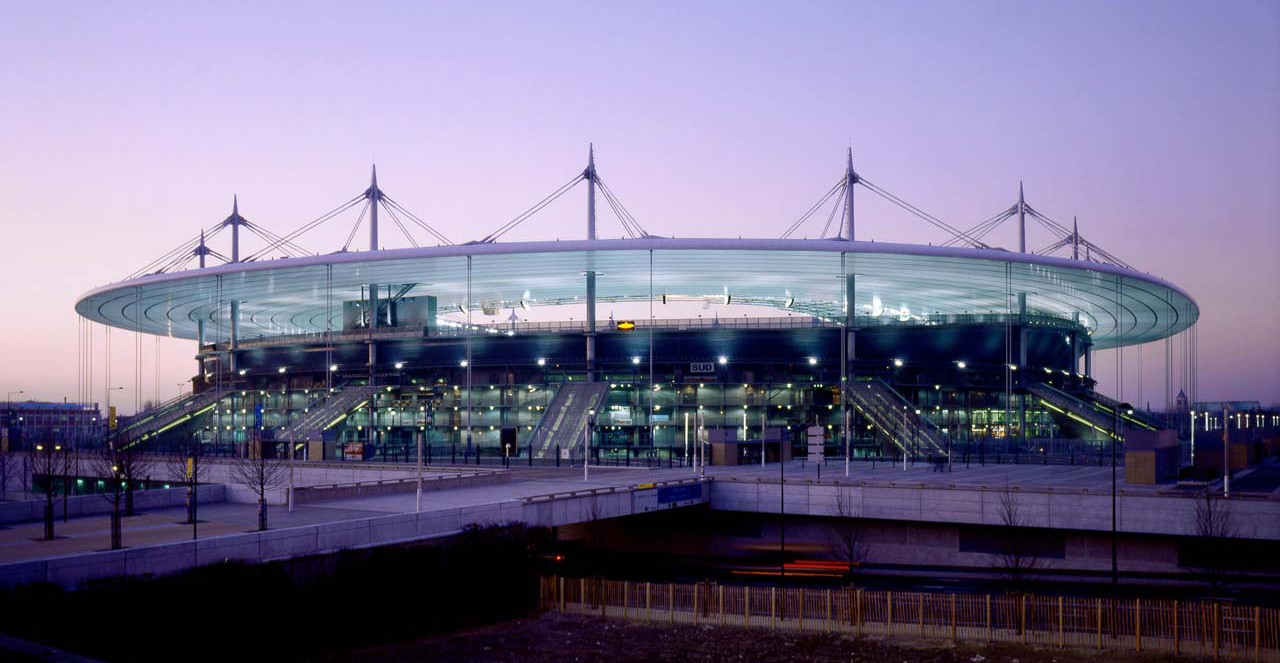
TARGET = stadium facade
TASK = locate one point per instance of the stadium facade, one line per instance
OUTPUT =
(928, 351)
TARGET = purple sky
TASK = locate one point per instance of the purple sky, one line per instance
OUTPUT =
(126, 127)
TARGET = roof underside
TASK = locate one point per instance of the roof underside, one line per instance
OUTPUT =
(292, 296)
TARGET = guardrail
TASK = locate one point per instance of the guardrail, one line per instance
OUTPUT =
(609, 490)
(1206, 628)
(340, 491)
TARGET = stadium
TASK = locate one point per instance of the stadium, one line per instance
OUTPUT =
(640, 350)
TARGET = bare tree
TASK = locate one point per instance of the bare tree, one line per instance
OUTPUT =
(846, 536)
(47, 460)
(188, 470)
(134, 466)
(1017, 559)
(107, 463)
(259, 472)
(1214, 527)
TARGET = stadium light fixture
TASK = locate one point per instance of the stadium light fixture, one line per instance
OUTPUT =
(333, 368)
(542, 361)
(897, 363)
(960, 364)
(635, 360)
(813, 361)
(399, 365)
(723, 360)
(281, 369)
(463, 363)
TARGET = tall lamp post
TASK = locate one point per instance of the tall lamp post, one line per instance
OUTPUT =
(426, 433)
(1115, 436)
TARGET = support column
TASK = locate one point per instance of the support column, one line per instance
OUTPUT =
(375, 198)
(590, 176)
(232, 364)
(1022, 221)
(235, 221)
(850, 179)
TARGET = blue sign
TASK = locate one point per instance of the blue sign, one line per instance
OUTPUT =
(689, 491)
(257, 417)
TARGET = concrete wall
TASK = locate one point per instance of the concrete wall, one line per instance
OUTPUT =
(1139, 513)
(88, 505)
(77, 570)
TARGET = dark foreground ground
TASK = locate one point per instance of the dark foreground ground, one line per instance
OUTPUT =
(556, 638)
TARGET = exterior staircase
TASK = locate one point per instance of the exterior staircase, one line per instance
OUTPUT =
(311, 425)
(565, 418)
(153, 421)
(896, 418)
(1094, 410)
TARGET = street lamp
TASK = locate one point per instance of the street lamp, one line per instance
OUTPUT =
(1115, 569)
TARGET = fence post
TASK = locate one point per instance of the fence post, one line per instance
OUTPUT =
(646, 602)
(582, 591)
(1022, 616)
(720, 614)
(988, 618)
(800, 612)
(773, 607)
(671, 602)
(1177, 635)
(562, 595)
(1257, 632)
(1061, 635)
(858, 598)
(625, 595)
(746, 605)
(920, 611)
(953, 617)
(1217, 613)
(827, 626)
(1137, 624)
(695, 603)
(888, 619)
(1098, 619)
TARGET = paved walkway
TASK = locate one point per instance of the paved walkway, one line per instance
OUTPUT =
(92, 533)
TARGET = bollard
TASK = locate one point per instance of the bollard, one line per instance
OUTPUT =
(557, 455)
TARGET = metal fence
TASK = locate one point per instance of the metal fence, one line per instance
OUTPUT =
(1220, 630)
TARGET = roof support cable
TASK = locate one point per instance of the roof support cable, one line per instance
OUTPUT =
(981, 230)
(613, 204)
(400, 224)
(835, 188)
(935, 221)
(359, 220)
(182, 250)
(626, 216)
(506, 227)
(290, 248)
(388, 200)
(307, 227)
(839, 205)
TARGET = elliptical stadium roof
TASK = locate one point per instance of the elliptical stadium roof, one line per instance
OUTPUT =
(287, 296)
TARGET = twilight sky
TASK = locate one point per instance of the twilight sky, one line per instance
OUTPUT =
(125, 127)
